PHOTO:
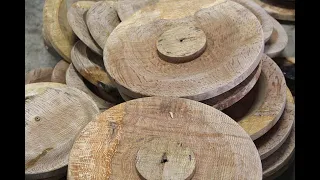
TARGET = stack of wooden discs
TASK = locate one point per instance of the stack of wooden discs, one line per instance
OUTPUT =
(279, 9)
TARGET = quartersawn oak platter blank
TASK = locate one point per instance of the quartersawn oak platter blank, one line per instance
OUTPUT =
(39, 75)
(132, 61)
(59, 72)
(76, 18)
(278, 40)
(101, 19)
(56, 28)
(74, 79)
(268, 104)
(277, 135)
(278, 12)
(107, 147)
(54, 115)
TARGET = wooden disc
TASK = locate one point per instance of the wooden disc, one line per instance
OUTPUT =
(53, 118)
(281, 157)
(277, 11)
(165, 159)
(76, 18)
(38, 75)
(56, 28)
(276, 136)
(101, 19)
(126, 8)
(261, 14)
(74, 79)
(110, 143)
(232, 96)
(268, 103)
(70, 2)
(132, 60)
(59, 72)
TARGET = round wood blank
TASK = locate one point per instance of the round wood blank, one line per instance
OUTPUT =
(101, 19)
(56, 28)
(232, 96)
(108, 146)
(126, 8)
(74, 79)
(38, 75)
(281, 157)
(278, 40)
(276, 136)
(278, 12)
(53, 118)
(261, 14)
(70, 2)
(76, 18)
(59, 72)
(132, 60)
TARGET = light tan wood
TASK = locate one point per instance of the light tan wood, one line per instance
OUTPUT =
(77, 20)
(277, 135)
(165, 159)
(181, 44)
(101, 19)
(281, 157)
(54, 115)
(107, 146)
(261, 14)
(59, 72)
(126, 8)
(232, 96)
(132, 61)
(70, 2)
(278, 12)
(74, 79)
(38, 75)
(45, 37)
(278, 40)
(56, 27)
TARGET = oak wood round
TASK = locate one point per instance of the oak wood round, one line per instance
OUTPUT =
(277, 135)
(107, 147)
(126, 8)
(74, 79)
(56, 28)
(278, 40)
(59, 72)
(277, 11)
(165, 159)
(77, 20)
(39, 75)
(132, 61)
(54, 115)
(101, 19)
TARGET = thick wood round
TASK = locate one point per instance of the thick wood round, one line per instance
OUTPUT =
(277, 11)
(281, 157)
(59, 72)
(54, 115)
(74, 79)
(132, 60)
(38, 75)
(277, 135)
(101, 19)
(278, 40)
(126, 8)
(107, 147)
(165, 159)
(77, 20)
(56, 28)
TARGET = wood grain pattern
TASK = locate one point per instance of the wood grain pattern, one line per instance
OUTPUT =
(70, 2)
(277, 135)
(74, 79)
(59, 72)
(107, 146)
(131, 58)
(278, 12)
(101, 19)
(38, 75)
(278, 40)
(126, 8)
(56, 28)
(281, 157)
(77, 20)
(54, 115)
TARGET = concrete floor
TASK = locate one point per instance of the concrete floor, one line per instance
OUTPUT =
(36, 55)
